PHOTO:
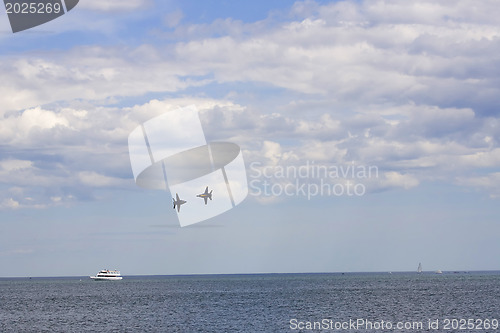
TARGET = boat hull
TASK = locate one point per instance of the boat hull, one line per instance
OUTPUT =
(106, 278)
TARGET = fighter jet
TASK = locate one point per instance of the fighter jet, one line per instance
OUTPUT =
(178, 202)
(206, 195)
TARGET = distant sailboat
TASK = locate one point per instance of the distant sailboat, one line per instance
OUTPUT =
(439, 271)
(419, 269)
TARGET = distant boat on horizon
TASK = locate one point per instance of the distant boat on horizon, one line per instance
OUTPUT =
(107, 275)
(419, 269)
(439, 272)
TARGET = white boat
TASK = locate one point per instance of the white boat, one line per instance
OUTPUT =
(419, 269)
(439, 271)
(107, 275)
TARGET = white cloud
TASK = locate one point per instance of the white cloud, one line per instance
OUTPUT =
(114, 5)
(368, 57)
(481, 159)
(29, 126)
(173, 18)
(370, 61)
(396, 179)
(93, 179)
(13, 165)
(38, 118)
(9, 204)
(88, 73)
(404, 85)
(76, 151)
(489, 183)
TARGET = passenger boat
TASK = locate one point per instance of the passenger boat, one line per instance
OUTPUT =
(107, 275)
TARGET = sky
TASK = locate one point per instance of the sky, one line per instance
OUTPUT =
(369, 132)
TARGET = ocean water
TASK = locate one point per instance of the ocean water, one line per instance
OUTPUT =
(254, 303)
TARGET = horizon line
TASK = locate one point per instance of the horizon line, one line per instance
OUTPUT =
(261, 273)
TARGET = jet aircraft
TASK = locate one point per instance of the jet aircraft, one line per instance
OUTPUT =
(178, 202)
(206, 195)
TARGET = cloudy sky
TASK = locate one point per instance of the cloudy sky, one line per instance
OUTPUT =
(406, 89)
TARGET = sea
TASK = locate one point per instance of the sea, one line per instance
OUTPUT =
(323, 302)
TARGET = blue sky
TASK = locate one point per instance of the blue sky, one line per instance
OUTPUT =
(408, 87)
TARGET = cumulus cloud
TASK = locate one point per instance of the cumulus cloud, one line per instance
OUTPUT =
(396, 179)
(89, 73)
(349, 51)
(61, 154)
(408, 86)
(363, 56)
(10, 165)
(9, 204)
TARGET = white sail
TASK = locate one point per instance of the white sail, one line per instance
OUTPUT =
(419, 269)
